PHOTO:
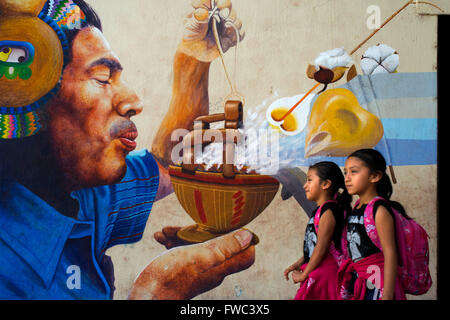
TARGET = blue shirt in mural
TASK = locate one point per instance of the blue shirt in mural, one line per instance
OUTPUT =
(46, 255)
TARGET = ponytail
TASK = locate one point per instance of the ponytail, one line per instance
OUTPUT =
(344, 200)
(384, 186)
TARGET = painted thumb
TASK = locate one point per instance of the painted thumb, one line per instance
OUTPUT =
(229, 254)
(230, 245)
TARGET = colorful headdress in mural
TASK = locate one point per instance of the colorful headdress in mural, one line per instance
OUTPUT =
(33, 52)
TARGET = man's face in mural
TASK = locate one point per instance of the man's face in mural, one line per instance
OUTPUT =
(89, 119)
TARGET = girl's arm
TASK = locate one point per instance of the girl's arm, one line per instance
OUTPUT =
(326, 229)
(295, 266)
(384, 223)
(298, 263)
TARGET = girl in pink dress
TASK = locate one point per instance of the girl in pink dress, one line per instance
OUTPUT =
(316, 271)
(369, 271)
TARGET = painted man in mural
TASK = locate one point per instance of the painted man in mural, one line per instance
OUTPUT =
(72, 186)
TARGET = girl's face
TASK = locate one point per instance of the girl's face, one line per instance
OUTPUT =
(358, 177)
(313, 186)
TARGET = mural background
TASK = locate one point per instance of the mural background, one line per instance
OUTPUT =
(282, 38)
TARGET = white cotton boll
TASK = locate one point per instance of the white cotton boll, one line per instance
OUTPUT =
(379, 59)
(333, 58)
(379, 69)
(344, 61)
(373, 53)
(385, 51)
(368, 65)
(321, 60)
(337, 52)
(391, 63)
(333, 61)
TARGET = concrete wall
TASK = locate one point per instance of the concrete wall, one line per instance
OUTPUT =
(282, 38)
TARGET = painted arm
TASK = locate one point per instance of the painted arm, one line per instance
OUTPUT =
(189, 101)
(184, 272)
(384, 223)
(191, 65)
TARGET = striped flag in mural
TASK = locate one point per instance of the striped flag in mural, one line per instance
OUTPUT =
(406, 103)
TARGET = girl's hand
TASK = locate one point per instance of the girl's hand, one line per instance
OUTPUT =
(295, 266)
(288, 270)
(299, 276)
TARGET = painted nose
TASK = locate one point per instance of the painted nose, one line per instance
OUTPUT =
(128, 103)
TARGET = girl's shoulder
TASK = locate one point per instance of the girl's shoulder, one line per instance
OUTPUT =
(360, 209)
(334, 208)
(384, 203)
(332, 205)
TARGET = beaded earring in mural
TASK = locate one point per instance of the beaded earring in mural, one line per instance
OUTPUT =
(33, 52)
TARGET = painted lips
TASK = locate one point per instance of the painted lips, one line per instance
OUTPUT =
(128, 140)
(126, 133)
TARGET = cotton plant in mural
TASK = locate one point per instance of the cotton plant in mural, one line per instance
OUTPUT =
(380, 59)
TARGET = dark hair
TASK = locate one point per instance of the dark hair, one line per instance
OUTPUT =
(327, 170)
(91, 20)
(375, 161)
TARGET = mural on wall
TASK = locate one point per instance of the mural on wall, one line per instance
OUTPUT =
(67, 149)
